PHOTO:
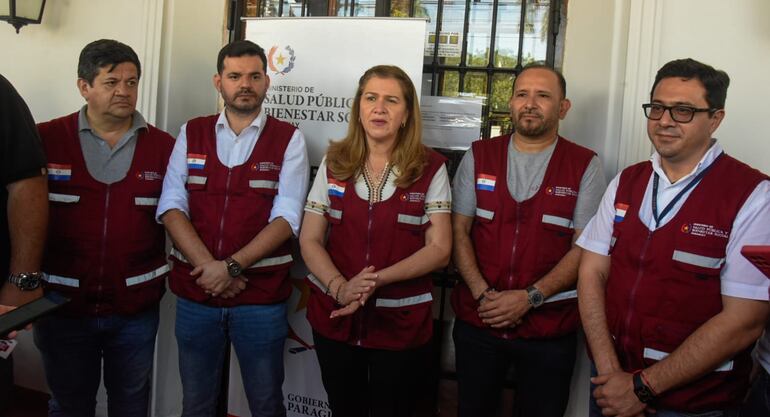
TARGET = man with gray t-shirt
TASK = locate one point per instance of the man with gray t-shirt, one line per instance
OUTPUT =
(105, 250)
(520, 201)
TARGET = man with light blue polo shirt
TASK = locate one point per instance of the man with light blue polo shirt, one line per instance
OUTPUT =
(232, 199)
(669, 306)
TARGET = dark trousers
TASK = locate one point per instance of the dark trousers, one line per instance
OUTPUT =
(363, 382)
(543, 372)
(758, 403)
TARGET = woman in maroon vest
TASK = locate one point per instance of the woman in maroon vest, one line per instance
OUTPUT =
(377, 223)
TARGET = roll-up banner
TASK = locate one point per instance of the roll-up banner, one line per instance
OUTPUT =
(314, 65)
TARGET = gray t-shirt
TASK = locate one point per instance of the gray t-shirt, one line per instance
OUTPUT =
(524, 177)
(108, 165)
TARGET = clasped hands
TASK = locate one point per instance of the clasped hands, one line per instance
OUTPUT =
(352, 294)
(503, 309)
(216, 281)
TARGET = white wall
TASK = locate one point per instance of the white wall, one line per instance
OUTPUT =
(177, 42)
(733, 36)
(612, 51)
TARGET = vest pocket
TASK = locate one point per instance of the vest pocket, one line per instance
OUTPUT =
(264, 186)
(484, 215)
(417, 222)
(661, 337)
(196, 182)
(333, 215)
(561, 224)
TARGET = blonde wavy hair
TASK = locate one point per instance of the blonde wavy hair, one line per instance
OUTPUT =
(346, 158)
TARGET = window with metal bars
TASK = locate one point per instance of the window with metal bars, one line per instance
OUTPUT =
(474, 48)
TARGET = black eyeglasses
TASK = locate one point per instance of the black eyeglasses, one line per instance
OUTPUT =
(680, 114)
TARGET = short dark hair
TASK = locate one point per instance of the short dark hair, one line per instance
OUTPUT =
(557, 73)
(240, 48)
(105, 52)
(714, 81)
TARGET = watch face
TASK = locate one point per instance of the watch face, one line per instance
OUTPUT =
(233, 268)
(537, 299)
(26, 282)
(644, 394)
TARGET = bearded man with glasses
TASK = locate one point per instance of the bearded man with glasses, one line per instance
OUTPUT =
(670, 308)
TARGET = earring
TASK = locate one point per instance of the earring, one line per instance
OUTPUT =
(403, 125)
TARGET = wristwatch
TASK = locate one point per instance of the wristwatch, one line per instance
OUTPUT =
(233, 267)
(642, 391)
(26, 281)
(535, 297)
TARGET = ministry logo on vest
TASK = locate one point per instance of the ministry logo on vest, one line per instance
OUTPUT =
(280, 60)
(265, 166)
(486, 182)
(59, 172)
(703, 230)
(413, 197)
(559, 191)
(148, 175)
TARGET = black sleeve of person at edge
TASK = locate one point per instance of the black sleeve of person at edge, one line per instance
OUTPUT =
(21, 155)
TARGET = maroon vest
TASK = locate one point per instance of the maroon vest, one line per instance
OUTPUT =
(230, 206)
(517, 243)
(665, 284)
(105, 250)
(397, 316)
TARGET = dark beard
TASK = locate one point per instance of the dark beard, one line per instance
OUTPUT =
(532, 130)
(245, 109)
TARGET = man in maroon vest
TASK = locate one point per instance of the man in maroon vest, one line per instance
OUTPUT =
(670, 307)
(105, 250)
(520, 201)
(231, 201)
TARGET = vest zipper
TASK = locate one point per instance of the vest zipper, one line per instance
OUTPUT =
(220, 240)
(368, 247)
(103, 253)
(632, 295)
(506, 332)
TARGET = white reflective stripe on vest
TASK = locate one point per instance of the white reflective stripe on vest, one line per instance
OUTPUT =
(58, 279)
(558, 221)
(658, 355)
(335, 214)
(196, 179)
(63, 198)
(697, 260)
(413, 220)
(566, 295)
(273, 185)
(485, 214)
(145, 201)
(277, 260)
(176, 254)
(403, 302)
(138, 279)
(317, 282)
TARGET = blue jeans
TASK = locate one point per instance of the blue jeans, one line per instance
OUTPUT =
(595, 411)
(257, 332)
(73, 349)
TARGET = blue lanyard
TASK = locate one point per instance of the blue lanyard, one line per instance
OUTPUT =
(676, 198)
